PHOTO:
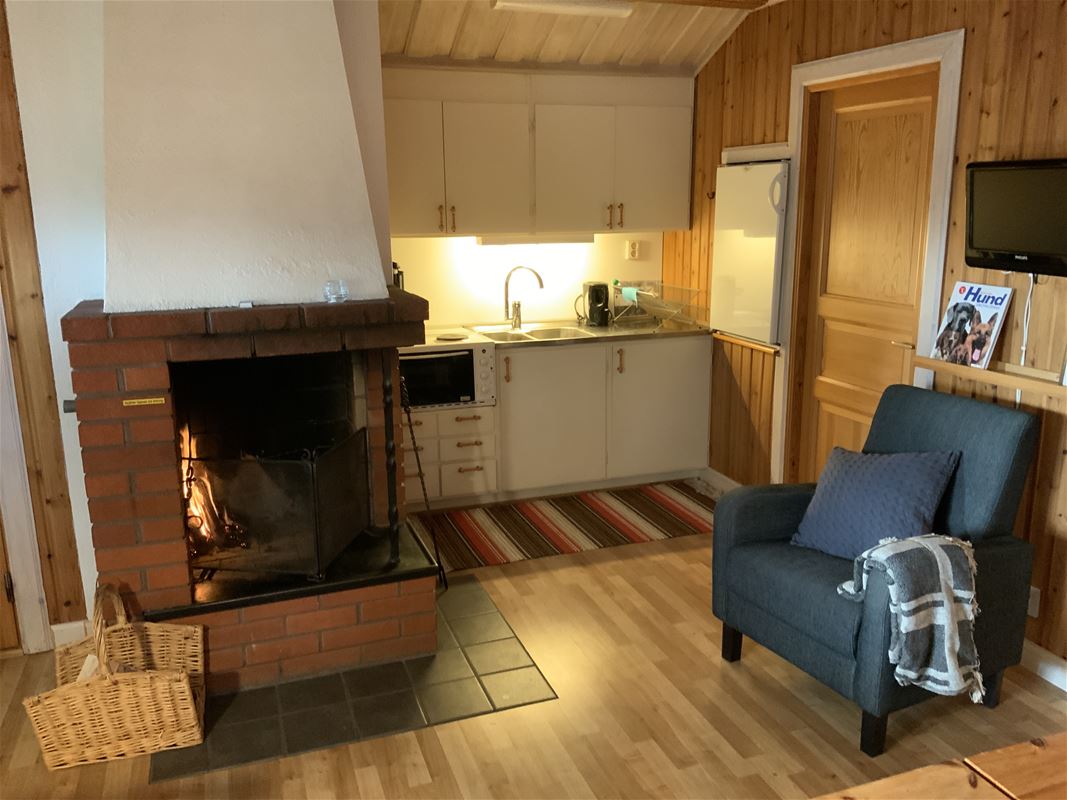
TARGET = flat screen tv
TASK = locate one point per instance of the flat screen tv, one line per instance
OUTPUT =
(1017, 216)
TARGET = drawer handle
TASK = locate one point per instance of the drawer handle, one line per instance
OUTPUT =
(622, 362)
(471, 418)
(418, 448)
(470, 469)
(507, 369)
(453, 211)
(620, 214)
(416, 422)
(441, 218)
(475, 443)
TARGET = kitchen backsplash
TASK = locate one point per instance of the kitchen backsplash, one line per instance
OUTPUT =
(464, 281)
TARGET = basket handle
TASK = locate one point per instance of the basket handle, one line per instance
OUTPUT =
(105, 593)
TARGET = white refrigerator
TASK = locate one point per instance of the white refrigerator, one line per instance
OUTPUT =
(746, 267)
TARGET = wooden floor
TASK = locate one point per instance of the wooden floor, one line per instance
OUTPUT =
(646, 709)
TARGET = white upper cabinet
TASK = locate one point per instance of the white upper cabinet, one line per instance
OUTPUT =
(416, 164)
(574, 157)
(652, 167)
(487, 167)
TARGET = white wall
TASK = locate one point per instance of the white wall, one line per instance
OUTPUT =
(464, 281)
(57, 51)
(357, 26)
(233, 168)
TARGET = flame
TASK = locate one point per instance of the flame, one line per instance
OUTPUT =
(208, 523)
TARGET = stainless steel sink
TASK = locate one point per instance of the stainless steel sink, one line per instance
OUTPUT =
(505, 336)
(558, 333)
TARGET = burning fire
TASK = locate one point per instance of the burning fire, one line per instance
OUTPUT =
(207, 528)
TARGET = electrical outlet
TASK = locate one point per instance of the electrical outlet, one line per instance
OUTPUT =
(1034, 607)
(633, 250)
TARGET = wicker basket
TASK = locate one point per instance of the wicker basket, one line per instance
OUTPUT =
(158, 705)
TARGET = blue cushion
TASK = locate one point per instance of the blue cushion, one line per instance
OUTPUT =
(862, 498)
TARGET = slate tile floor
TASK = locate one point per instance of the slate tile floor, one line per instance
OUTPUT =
(480, 667)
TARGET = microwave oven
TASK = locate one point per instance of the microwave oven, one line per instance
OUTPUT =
(449, 375)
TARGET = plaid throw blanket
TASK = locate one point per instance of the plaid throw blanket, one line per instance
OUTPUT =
(932, 609)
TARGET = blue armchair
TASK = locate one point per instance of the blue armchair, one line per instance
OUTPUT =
(785, 597)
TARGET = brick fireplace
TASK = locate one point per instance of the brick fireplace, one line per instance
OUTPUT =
(260, 628)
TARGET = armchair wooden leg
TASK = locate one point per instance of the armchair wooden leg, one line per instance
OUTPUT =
(872, 733)
(731, 644)
(992, 689)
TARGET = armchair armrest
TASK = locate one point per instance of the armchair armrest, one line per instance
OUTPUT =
(1002, 589)
(753, 514)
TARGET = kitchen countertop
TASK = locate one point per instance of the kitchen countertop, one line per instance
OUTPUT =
(612, 333)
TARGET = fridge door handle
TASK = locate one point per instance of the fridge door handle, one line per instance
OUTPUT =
(778, 204)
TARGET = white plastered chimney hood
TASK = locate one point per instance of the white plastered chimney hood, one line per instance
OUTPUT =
(232, 161)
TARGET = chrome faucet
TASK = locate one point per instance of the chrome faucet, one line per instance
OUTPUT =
(513, 311)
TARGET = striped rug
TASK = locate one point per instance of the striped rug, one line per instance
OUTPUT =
(506, 532)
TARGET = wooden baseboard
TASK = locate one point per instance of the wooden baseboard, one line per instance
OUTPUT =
(1046, 665)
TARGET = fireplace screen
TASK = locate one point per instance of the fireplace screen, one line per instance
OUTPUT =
(274, 470)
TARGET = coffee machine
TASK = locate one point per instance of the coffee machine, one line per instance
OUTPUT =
(597, 309)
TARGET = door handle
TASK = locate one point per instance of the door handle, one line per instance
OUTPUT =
(475, 443)
(470, 469)
(621, 207)
(441, 217)
(453, 212)
(904, 345)
(471, 418)
(611, 215)
(507, 369)
(622, 361)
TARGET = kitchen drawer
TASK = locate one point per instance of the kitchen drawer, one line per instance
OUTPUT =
(468, 477)
(427, 451)
(473, 447)
(412, 489)
(425, 423)
(462, 421)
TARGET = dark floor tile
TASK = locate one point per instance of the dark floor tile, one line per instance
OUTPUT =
(463, 583)
(445, 639)
(244, 742)
(325, 690)
(312, 728)
(387, 713)
(446, 665)
(482, 628)
(379, 679)
(498, 656)
(240, 707)
(456, 603)
(517, 687)
(446, 701)
(169, 764)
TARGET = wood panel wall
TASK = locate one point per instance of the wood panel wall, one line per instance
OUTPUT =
(31, 360)
(1013, 104)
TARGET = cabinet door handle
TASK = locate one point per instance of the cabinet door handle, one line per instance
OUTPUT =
(416, 422)
(622, 362)
(470, 469)
(611, 215)
(904, 345)
(507, 369)
(620, 214)
(475, 443)
(471, 418)
(441, 217)
(452, 210)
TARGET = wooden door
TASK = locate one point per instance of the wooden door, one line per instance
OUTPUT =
(414, 150)
(866, 244)
(9, 629)
(659, 405)
(574, 160)
(551, 415)
(487, 167)
(652, 161)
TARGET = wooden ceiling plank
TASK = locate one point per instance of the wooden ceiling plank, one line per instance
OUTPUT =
(681, 33)
(560, 35)
(481, 31)
(603, 40)
(633, 30)
(659, 31)
(745, 5)
(524, 37)
(394, 25)
(578, 45)
(732, 19)
(435, 28)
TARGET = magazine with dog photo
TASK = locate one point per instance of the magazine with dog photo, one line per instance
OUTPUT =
(972, 323)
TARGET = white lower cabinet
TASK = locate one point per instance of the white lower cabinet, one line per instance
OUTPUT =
(550, 403)
(457, 448)
(660, 405)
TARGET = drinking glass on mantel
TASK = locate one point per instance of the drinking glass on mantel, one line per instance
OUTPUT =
(335, 291)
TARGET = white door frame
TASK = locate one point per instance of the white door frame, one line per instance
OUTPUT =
(20, 532)
(944, 49)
